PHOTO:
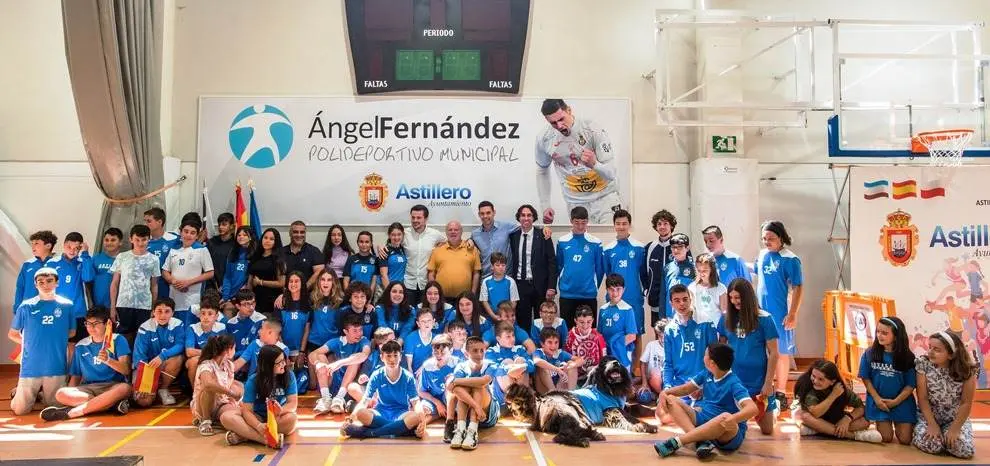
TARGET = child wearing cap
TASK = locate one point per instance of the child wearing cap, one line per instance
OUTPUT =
(680, 270)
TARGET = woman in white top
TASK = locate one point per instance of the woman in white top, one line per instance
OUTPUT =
(707, 293)
(215, 390)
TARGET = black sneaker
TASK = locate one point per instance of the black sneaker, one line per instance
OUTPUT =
(448, 431)
(349, 406)
(705, 450)
(123, 407)
(52, 413)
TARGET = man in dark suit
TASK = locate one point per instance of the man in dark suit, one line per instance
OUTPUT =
(533, 265)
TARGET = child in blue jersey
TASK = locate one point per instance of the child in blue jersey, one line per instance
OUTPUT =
(580, 266)
(556, 369)
(160, 343)
(627, 257)
(348, 352)
(684, 340)
(326, 300)
(101, 264)
(443, 312)
(295, 316)
(549, 318)
(514, 362)
(887, 369)
(432, 384)
(42, 244)
(507, 313)
(394, 312)
(245, 324)
(75, 269)
(417, 347)
(275, 381)
(778, 273)
(392, 267)
(719, 419)
(356, 389)
(468, 311)
(186, 269)
(160, 243)
(199, 333)
(386, 408)
(270, 333)
(680, 270)
(42, 325)
(357, 296)
(235, 272)
(477, 403)
(135, 283)
(361, 266)
(753, 338)
(498, 287)
(458, 337)
(730, 265)
(617, 322)
(98, 377)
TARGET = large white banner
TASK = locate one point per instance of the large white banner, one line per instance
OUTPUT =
(921, 236)
(351, 161)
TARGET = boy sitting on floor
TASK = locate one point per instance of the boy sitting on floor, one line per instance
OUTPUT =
(474, 392)
(385, 410)
(349, 351)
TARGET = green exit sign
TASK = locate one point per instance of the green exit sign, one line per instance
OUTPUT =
(724, 144)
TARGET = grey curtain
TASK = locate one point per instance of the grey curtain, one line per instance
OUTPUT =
(114, 52)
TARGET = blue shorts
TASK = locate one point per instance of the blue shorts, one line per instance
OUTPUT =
(785, 338)
(731, 445)
(494, 411)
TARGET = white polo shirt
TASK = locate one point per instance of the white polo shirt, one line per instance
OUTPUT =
(418, 248)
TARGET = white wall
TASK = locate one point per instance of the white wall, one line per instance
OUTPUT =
(577, 48)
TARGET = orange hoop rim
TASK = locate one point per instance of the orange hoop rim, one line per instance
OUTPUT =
(920, 142)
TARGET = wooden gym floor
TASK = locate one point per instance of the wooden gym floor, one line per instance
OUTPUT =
(166, 436)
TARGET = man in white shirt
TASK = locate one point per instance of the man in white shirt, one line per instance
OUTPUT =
(186, 269)
(418, 242)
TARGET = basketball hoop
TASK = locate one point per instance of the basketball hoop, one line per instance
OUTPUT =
(945, 148)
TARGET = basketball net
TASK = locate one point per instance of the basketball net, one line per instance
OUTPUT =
(945, 148)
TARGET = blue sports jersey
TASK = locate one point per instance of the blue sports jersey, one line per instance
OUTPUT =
(520, 335)
(45, 327)
(160, 247)
(580, 266)
(677, 273)
(393, 320)
(102, 277)
(86, 362)
(616, 319)
(414, 347)
(724, 395)
(558, 324)
(25, 289)
(465, 369)
(197, 336)
(324, 325)
(360, 268)
(731, 267)
(776, 273)
(72, 276)
(626, 258)
(250, 354)
(235, 275)
(434, 377)
(503, 356)
(374, 361)
(595, 402)
(684, 350)
(483, 323)
(559, 360)
(440, 324)
(369, 320)
(494, 291)
(750, 351)
(154, 340)
(294, 324)
(280, 394)
(395, 262)
(394, 396)
(888, 382)
(244, 330)
(340, 348)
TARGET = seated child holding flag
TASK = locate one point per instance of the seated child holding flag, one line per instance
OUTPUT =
(268, 407)
(158, 348)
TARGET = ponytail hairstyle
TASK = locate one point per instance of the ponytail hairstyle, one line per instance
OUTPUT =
(216, 346)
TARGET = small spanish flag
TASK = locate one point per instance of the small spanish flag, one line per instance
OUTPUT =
(271, 426)
(240, 212)
(146, 378)
(16, 354)
(108, 338)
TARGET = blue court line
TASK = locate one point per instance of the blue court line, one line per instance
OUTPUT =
(278, 456)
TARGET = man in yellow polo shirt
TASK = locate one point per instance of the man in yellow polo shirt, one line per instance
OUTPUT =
(454, 264)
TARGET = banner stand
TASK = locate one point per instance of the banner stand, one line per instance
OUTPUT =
(850, 324)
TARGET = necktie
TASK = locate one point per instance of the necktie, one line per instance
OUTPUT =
(522, 264)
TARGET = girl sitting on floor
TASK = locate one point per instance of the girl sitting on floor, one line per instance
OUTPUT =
(825, 405)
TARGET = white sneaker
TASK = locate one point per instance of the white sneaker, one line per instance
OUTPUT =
(337, 405)
(457, 439)
(470, 440)
(805, 430)
(868, 435)
(167, 398)
(322, 406)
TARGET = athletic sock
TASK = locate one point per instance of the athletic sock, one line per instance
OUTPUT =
(325, 392)
(461, 425)
(342, 391)
(394, 428)
(79, 411)
(473, 426)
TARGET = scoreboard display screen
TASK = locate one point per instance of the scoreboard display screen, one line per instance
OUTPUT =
(437, 45)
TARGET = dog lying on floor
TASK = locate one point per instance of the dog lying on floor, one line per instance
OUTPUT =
(573, 415)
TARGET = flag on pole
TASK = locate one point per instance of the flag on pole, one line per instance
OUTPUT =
(271, 426)
(146, 378)
(108, 338)
(16, 354)
(255, 219)
(240, 213)
(208, 217)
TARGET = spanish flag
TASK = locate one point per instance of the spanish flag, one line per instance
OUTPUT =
(16, 354)
(905, 189)
(240, 213)
(146, 378)
(108, 338)
(271, 425)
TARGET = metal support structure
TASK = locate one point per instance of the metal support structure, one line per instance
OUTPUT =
(839, 240)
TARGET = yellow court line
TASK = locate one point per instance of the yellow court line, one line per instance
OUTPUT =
(332, 456)
(135, 434)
